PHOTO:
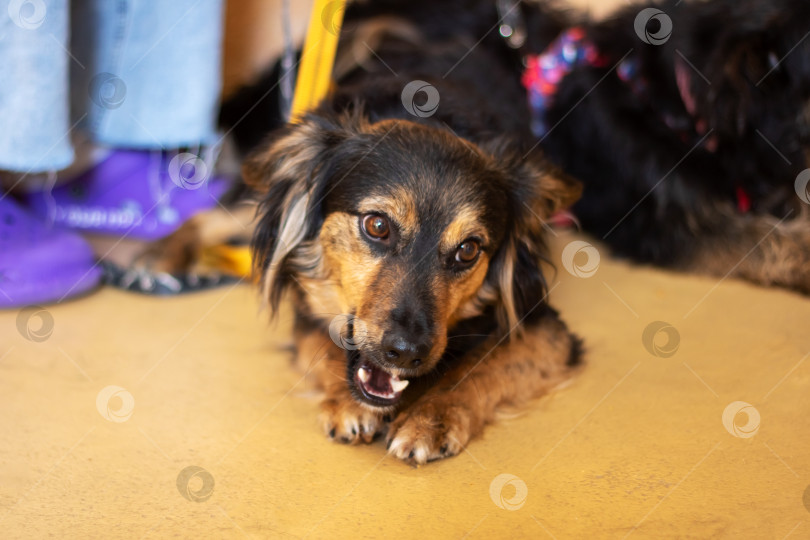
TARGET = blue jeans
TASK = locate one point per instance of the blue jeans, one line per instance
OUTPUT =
(134, 73)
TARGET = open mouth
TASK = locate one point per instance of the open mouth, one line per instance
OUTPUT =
(378, 386)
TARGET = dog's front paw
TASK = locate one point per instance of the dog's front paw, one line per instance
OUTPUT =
(429, 431)
(346, 421)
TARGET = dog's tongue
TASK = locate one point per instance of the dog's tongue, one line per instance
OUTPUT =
(379, 382)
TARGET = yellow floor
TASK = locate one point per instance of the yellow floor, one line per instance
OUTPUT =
(636, 445)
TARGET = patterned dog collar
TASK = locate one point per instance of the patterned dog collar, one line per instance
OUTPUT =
(545, 71)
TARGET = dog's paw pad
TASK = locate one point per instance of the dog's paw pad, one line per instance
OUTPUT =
(348, 422)
(428, 433)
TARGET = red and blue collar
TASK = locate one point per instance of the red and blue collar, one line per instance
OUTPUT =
(544, 73)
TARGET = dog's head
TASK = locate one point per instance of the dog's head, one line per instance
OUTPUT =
(404, 230)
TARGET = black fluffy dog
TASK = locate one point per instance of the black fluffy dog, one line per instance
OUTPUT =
(689, 128)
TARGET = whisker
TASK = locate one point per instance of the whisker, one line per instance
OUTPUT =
(468, 335)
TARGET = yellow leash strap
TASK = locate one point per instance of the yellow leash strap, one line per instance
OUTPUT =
(318, 57)
(228, 260)
(312, 86)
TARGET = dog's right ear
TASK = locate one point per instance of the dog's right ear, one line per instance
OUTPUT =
(536, 190)
(289, 173)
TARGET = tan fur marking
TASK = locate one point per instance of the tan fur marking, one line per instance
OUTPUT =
(323, 297)
(349, 260)
(351, 269)
(461, 293)
(485, 296)
(467, 223)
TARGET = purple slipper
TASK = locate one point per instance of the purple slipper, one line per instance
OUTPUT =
(138, 194)
(41, 264)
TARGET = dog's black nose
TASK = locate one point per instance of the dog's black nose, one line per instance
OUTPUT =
(402, 351)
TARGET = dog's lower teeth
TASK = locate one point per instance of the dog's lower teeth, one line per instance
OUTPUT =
(380, 383)
(398, 385)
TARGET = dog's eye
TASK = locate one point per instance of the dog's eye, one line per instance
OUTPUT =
(468, 251)
(376, 227)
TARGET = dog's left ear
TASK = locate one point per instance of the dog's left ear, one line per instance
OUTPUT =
(291, 174)
(537, 190)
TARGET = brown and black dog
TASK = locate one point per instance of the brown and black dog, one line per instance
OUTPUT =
(408, 231)
(414, 261)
